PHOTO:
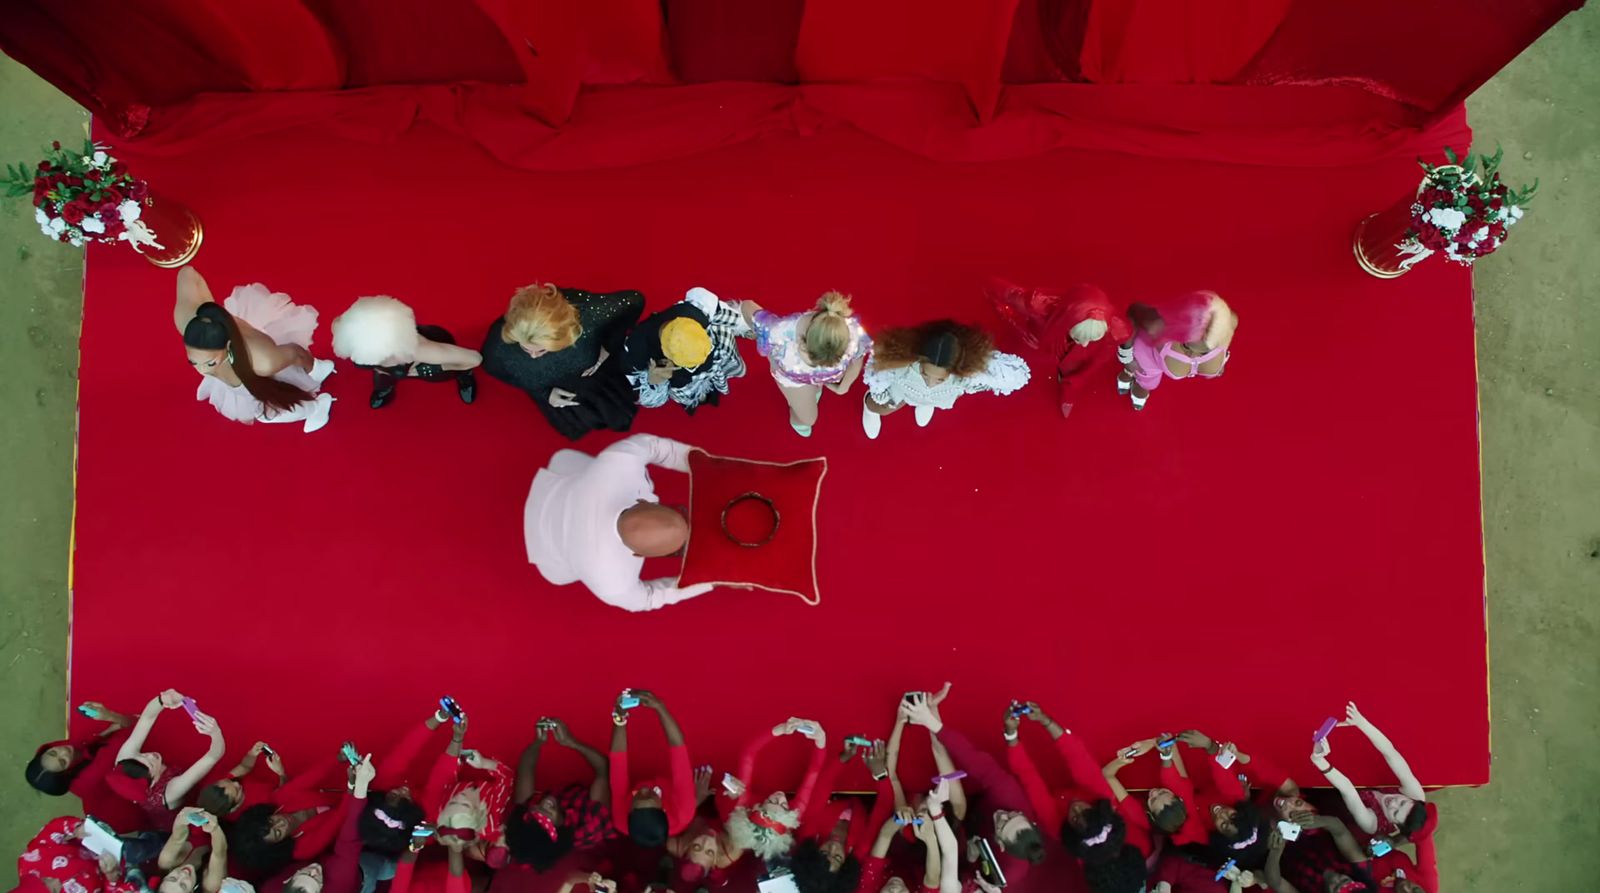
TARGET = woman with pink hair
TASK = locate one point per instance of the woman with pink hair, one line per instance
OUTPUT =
(1186, 338)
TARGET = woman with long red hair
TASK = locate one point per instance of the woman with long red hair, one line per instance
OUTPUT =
(1185, 338)
(252, 353)
(930, 366)
(1072, 325)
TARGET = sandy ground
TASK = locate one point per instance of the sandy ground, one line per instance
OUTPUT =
(1532, 828)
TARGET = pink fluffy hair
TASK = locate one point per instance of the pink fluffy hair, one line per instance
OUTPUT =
(1197, 316)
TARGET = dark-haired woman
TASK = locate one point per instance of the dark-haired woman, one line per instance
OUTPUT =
(143, 778)
(252, 353)
(836, 836)
(393, 811)
(1402, 814)
(932, 365)
(79, 766)
(298, 823)
(542, 828)
(1094, 821)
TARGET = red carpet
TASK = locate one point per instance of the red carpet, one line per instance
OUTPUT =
(1243, 557)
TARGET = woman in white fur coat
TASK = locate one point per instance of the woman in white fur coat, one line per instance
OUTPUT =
(381, 334)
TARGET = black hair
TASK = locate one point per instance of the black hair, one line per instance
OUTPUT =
(1171, 817)
(213, 799)
(379, 837)
(1123, 873)
(247, 841)
(1415, 819)
(55, 784)
(1247, 820)
(134, 769)
(812, 875)
(1027, 844)
(1100, 815)
(528, 842)
(647, 825)
(214, 328)
(941, 347)
(206, 330)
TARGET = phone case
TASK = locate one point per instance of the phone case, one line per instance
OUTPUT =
(1226, 759)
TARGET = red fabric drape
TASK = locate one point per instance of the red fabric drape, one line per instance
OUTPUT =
(1176, 41)
(1427, 54)
(417, 41)
(1046, 37)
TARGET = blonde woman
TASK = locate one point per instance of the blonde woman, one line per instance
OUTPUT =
(564, 347)
(1185, 338)
(821, 348)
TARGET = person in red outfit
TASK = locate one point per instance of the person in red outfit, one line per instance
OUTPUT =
(393, 813)
(340, 870)
(1404, 814)
(56, 861)
(297, 823)
(998, 807)
(245, 784)
(542, 828)
(1071, 325)
(466, 796)
(768, 828)
(650, 812)
(836, 836)
(1094, 823)
(1400, 873)
(930, 824)
(196, 852)
(79, 766)
(145, 779)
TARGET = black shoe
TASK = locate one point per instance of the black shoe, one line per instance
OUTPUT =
(382, 389)
(466, 386)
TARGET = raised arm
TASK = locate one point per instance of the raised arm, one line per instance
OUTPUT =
(1275, 879)
(1365, 817)
(132, 745)
(179, 787)
(621, 784)
(1409, 785)
(1022, 766)
(527, 764)
(949, 856)
(600, 787)
(892, 758)
(946, 766)
(217, 860)
(680, 771)
(176, 850)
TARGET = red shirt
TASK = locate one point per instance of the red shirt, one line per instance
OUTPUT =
(54, 854)
(89, 785)
(746, 774)
(1088, 784)
(1423, 870)
(819, 820)
(989, 788)
(677, 791)
(1215, 786)
(305, 791)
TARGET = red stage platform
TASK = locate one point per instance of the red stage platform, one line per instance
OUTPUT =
(1242, 557)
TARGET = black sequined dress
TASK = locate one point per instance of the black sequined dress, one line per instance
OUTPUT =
(605, 398)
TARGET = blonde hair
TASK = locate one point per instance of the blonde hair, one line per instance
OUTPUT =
(764, 842)
(1221, 323)
(1088, 332)
(828, 335)
(541, 316)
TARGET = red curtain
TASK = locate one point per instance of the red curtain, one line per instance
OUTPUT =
(1176, 41)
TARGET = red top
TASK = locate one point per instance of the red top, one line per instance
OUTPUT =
(318, 832)
(989, 788)
(1423, 870)
(89, 785)
(341, 869)
(819, 821)
(398, 765)
(1216, 786)
(1088, 784)
(746, 774)
(677, 792)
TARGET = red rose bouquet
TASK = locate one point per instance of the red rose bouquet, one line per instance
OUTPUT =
(83, 197)
(1461, 211)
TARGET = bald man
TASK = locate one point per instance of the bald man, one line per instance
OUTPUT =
(595, 519)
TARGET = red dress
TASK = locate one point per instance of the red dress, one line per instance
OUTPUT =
(1044, 317)
(55, 854)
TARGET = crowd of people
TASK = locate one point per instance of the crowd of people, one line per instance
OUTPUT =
(429, 812)
(589, 362)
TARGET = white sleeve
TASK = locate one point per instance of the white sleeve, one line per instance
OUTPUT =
(718, 311)
(644, 595)
(1005, 374)
(654, 450)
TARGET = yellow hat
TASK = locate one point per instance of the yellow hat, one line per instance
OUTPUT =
(685, 342)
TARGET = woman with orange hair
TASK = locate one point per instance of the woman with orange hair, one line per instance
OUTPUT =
(564, 347)
(930, 366)
(1186, 338)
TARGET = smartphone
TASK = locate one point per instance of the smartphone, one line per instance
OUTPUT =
(911, 696)
(627, 701)
(347, 750)
(1223, 871)
(548, 724)
(422, 831)
(805, 730)
(988, 865)
(1226, 758)
(449, 705)
(1289, 830)
(949, 776)
(858, 741)
(1323, 731)
(730, 784)
(197, 820)
(1164, 743)
(190, 708)
(268, 751)
(88, 711)
(1020, 709)
(1130, 753)
(1380, 847)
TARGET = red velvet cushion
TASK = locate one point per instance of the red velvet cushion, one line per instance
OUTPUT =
(788, 563)
(734, 40)
(959, 41)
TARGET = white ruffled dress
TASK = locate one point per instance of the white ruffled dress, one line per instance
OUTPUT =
(1004, 374)
(282, 320)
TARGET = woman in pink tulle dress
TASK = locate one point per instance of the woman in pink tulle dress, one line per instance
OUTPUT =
(251, 353)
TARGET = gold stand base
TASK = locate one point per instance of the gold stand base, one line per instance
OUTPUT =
(1367, 263)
